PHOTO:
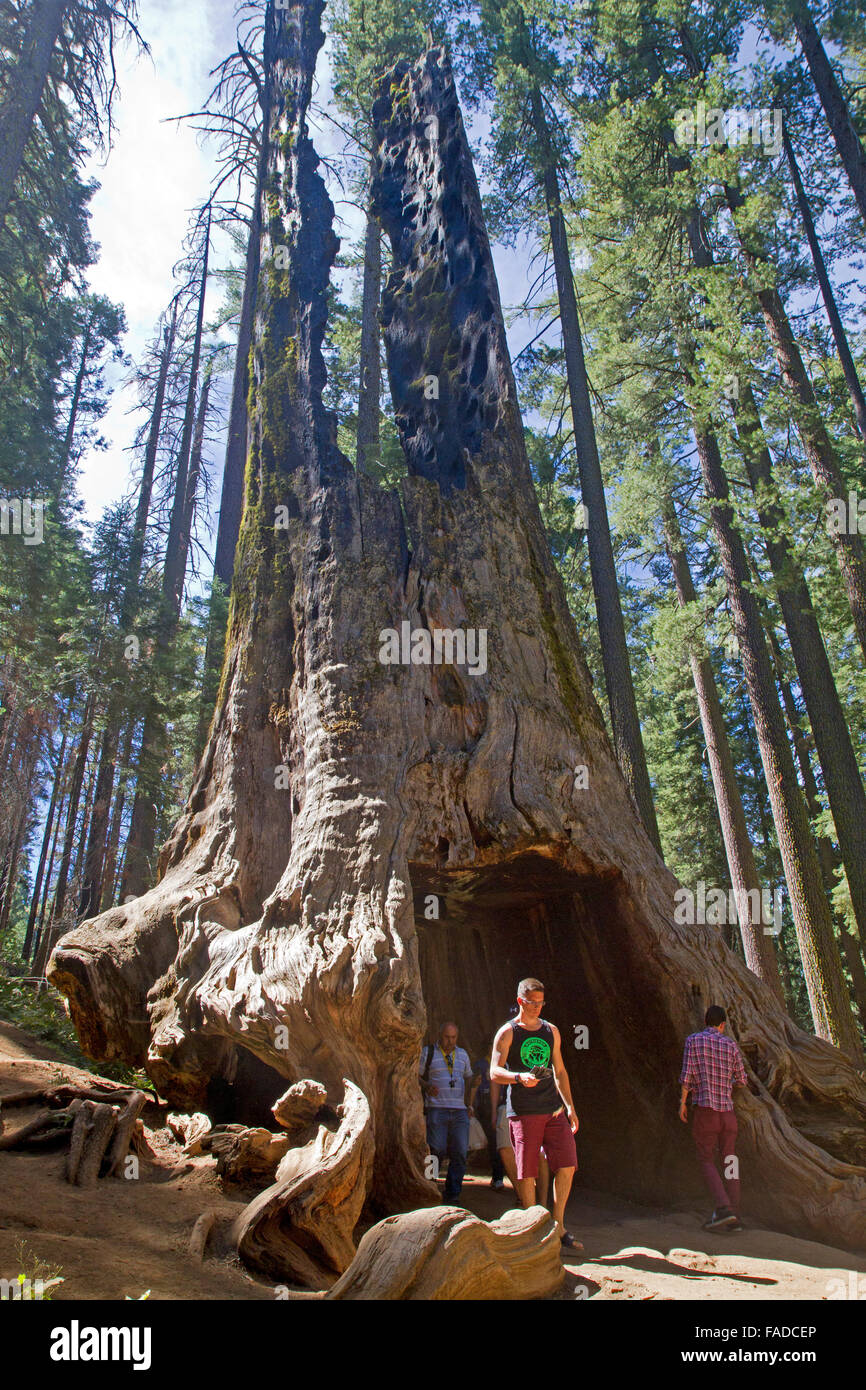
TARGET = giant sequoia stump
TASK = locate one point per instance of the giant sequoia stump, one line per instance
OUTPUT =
(291, 933)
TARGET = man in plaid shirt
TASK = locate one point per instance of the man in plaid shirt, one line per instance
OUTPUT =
(712, 1065)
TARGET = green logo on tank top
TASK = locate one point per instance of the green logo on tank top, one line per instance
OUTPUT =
(534, 1052)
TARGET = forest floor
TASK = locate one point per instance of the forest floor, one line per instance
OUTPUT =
(123, 1238)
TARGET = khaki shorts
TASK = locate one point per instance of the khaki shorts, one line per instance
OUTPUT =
(503, 1134)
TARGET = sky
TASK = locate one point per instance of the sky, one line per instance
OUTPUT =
(157, 171)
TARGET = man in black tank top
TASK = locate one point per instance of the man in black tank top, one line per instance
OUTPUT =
(541, 1112)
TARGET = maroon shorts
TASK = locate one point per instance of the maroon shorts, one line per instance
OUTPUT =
(531, 1133)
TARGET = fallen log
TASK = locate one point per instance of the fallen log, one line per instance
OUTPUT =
(447, 1253)
(301, 1228)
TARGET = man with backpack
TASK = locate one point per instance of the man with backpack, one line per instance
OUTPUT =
(444, 1071)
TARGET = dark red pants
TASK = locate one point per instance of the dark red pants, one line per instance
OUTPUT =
(716, 1130)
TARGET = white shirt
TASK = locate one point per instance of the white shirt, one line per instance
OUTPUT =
(448, 1097)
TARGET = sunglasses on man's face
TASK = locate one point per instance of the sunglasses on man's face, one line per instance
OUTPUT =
(535, 1003)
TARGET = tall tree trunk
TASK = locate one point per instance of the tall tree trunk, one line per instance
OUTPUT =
(55, 840)
(835, 106)
(48, 935)
(832, 736)
(18, 786)
(145, 491)
(177, 545)
(43, 853)
(370, 375)
(757, 947)
(91, 886)
(25, 84)
(75, 790)
(810, 426)
(232, 494)
(91, 882)
(10, 872)
(827, 856)
(113, 840)
(75, 403)
(140, 845)
(828, 995)
(283, 933)
(625, 723)
(195, 462)
(840, 337)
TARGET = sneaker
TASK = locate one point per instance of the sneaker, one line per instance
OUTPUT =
(721, 1220)
(568, 1241)
(498, 1184)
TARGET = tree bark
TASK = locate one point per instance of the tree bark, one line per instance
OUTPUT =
(293, 931)
(24, 91)
(611, 628)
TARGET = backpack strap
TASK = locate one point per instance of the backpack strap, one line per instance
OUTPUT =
(426, 1073)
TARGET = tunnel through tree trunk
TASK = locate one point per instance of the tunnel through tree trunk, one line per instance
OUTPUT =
(528, 916)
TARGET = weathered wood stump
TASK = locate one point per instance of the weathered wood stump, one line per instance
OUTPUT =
(190, 1130)
(451, 1254)
(300, 1229)
(91, 1135)
(246, 1155)
(300, 1105)
(383, 821)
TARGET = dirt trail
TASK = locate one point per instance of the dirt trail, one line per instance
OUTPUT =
(125, 1237)
(633, 1252)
